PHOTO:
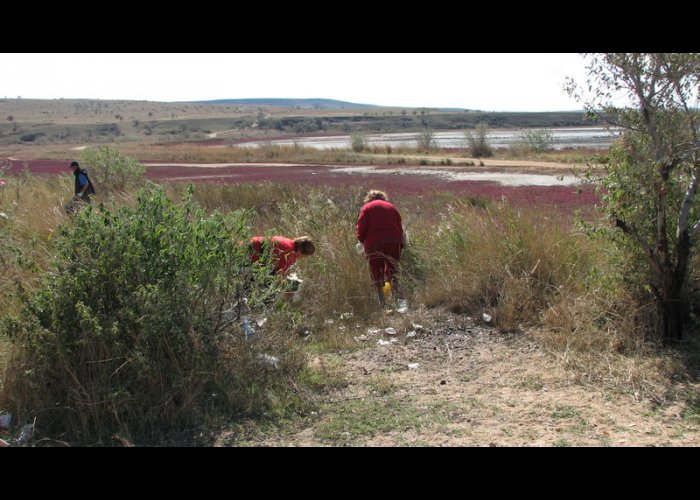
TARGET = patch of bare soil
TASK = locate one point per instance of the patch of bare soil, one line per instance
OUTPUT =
(454, 381)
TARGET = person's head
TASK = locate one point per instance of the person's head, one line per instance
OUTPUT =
(375, 195)
(304, 246)
(74, 165)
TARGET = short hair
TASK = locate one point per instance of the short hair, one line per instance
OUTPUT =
(305, 245)
(375, 195)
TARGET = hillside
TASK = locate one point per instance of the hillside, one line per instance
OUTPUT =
(90, 121)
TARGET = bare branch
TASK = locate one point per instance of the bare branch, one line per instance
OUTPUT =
(632, 231)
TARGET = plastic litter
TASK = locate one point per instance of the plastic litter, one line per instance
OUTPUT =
(247, 328)
(268, 360)
(359, 248)
(5, 420)
(402, 306)
(386, 342)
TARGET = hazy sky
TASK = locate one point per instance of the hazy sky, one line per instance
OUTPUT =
(490, 82)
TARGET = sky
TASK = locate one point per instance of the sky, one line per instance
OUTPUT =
(489, 82)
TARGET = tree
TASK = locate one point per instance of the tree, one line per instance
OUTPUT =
(478, 142)
(426, 139)
(649, 188)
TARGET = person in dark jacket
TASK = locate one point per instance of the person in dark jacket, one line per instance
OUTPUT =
(83, 187)
(380, 230)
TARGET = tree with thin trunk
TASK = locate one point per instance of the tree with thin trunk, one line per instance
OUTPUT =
(650, 184)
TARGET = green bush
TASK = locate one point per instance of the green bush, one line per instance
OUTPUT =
(534, 140)
(111, 171)
(358, 142)
(132, 333)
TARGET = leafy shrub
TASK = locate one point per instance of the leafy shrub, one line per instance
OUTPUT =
(132, 332)
(358, 142)
(533, 140)
(111, 171)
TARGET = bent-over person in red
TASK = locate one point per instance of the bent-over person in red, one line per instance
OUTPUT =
(284, 251)
(380, 230)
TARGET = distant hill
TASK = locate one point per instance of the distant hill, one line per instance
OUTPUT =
(290, 103)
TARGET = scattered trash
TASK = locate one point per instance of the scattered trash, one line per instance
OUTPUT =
(328, 322)
(390, 331)
(247, 328)
(361, 338)
(413, 366)
(487, 318)
(359, 248)
(386, 289)
(25, 434)
(386, 342)
(5, 420)
(403, 306)
(373, 331)
(411, 334)
(416, 326)
(304, 332)
(346, 315)
(294, 277)
(261, 322)
(296, 297)
(3, 215)
(268, 360)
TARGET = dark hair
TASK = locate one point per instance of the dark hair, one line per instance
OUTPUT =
(74, 164)
(305, 245)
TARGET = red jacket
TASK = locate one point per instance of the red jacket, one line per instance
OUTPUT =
(379, 222)
(282, 251)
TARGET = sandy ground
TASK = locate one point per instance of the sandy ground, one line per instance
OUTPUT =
(458, 383)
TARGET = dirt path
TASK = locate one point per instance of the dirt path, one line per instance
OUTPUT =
(455, 383)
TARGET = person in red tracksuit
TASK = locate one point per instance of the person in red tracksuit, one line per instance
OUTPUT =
(284, 251)
(379, 229)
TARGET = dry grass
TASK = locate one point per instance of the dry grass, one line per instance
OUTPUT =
(530, 270)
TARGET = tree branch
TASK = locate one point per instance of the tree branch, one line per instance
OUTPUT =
(630, 230)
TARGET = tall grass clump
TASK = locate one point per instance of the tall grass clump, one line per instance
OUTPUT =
(133, 332)
(336, 277)
(508, 264)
